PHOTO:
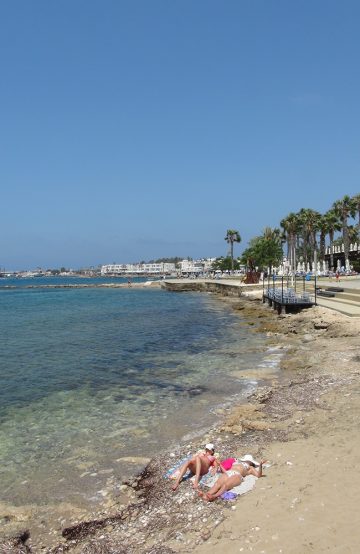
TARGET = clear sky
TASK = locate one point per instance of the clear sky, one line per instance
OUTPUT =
(147, 128)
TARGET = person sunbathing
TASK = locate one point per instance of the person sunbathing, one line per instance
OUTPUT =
(199, 465)
(234, 477)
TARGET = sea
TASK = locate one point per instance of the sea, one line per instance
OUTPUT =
(93, 381)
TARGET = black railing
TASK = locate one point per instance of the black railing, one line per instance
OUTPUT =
(284, 290)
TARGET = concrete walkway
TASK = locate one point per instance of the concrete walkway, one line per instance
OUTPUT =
(347, 302)
(352, 282)
(351, 310)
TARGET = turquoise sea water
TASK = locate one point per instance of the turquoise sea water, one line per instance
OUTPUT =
(91, 377)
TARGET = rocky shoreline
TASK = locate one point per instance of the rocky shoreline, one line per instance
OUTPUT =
(158, 521)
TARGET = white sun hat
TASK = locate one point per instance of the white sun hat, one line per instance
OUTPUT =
(249, 458)
(210, 446)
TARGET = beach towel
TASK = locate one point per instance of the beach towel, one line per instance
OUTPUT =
(173, 471)
(228, 495)
(228, 463)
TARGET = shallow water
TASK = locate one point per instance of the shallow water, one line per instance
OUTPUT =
(91, 376)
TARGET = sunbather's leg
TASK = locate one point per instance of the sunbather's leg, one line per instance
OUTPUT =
(198, 471)
(226, 485)
(218, 484)
(190, 464)
(223, 484)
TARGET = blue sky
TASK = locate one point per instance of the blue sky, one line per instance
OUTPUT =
(141, 129)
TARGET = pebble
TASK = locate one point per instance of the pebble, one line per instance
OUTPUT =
(205, 535)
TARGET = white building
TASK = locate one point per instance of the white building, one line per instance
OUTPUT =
(138, 269)
(196, 266)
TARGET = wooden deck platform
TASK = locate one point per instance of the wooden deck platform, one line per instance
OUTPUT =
(281, 305)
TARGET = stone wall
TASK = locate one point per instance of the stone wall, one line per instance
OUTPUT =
(225, 289)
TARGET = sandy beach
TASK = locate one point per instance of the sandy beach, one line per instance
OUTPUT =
(308, 501)
(306, 423)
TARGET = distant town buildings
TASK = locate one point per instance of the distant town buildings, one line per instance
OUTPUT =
(138, 269)
(196, 266)
(185, 267)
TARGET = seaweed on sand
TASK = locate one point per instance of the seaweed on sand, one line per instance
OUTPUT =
(16, 544)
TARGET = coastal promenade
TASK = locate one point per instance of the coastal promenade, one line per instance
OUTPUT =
(346, 302)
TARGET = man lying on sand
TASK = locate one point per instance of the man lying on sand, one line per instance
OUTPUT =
(199, 465)
(234, 477)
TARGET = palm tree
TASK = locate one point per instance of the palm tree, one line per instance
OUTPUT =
(356, 200)
(290, 224)
(344, 209)
(323, 228)
(310, 220)
(270, 233)
(332, 225)
(231, 237)
(352, 233)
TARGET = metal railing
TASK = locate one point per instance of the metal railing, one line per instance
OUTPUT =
(290, 289)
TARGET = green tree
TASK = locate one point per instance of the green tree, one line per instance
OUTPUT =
(325, 227)
(352, 232)
(356, 200)
(231, 237)
(225, 264)
(309, 221)
(264, 251)
(345, 208)
(332, 225)
(291, 226)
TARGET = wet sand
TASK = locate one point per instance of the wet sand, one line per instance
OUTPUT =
(306, 424)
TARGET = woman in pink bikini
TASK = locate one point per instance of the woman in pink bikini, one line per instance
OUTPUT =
(234, 477)
(199, 465)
